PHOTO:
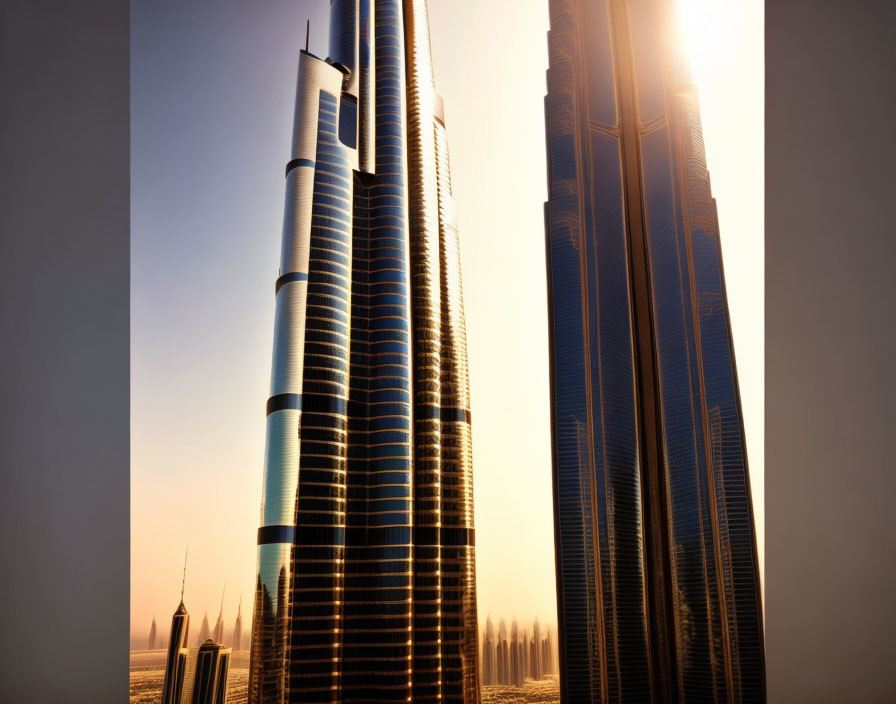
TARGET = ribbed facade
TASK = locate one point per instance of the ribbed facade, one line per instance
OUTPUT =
(366, 578)
(658, 582)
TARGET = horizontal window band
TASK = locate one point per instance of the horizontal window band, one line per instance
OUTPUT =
(288, 279)
(284, 402)
(295, 163)
(444, 537)
(445, 414)
(270, 535)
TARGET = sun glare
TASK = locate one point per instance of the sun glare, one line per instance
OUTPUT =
(708, 27)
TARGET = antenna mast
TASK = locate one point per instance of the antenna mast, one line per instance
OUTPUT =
(184, 581)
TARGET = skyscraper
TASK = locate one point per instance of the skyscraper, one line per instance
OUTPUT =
(516, 655)
(366, 576)
(488, 672)
(238, 628)
(503, 654)
(536, 664)
(152, 636)
(218, 634)
(210, 676)
(204, 632)
(175, 661)
(658, 582)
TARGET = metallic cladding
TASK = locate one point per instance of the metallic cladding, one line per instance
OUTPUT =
(658, 587)
(366, 588)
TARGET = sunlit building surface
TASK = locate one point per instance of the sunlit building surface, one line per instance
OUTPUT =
(366, 579)
(658, 582)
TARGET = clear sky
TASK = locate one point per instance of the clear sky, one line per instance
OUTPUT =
(213, 86)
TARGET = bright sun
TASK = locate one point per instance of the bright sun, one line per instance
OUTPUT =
(708, 27)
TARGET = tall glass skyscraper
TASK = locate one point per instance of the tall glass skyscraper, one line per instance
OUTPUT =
(658, 581)
(366, 580)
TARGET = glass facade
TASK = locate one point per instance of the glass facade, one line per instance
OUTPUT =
(658, 583)
(175, 660)
(366, 579)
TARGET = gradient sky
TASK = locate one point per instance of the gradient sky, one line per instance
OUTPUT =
(213, 85)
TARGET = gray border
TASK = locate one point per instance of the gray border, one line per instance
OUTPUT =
(830, 292)
(64, 350)
(64, 358)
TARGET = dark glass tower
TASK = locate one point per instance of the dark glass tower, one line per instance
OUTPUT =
(210, 676)
(366, 579)
(658, 582)
(176, 659)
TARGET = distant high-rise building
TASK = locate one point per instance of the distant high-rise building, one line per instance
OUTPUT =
(657, 570)
(152, 635)
(536, 665)
(210, 678)
(488, 655)
(516, 655)
(548, 654)
(238, 628)
(367, 538)
(503, 655)
(204, 632)
(176, 660)
(218, 634)
(524, 656)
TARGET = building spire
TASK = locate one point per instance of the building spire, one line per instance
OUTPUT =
(183, 582)
(307, 34)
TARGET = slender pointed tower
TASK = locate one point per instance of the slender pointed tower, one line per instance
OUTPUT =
(502, 655)
(489, 661)
(238, 628)
(218, 633)
(657, 573)
(204, 631)
(366, 551)
(152, 635)
(176, 659)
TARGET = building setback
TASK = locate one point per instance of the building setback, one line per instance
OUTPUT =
(658, 582)
(366, 572)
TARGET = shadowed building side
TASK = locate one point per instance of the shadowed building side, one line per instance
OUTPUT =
(657, 577)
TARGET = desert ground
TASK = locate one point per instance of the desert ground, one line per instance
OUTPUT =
(148, 670)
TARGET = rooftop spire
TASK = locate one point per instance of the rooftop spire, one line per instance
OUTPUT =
(184, 580)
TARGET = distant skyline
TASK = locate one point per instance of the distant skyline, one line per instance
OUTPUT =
(212, 93)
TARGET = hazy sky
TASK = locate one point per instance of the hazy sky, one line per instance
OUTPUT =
(213, 85)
